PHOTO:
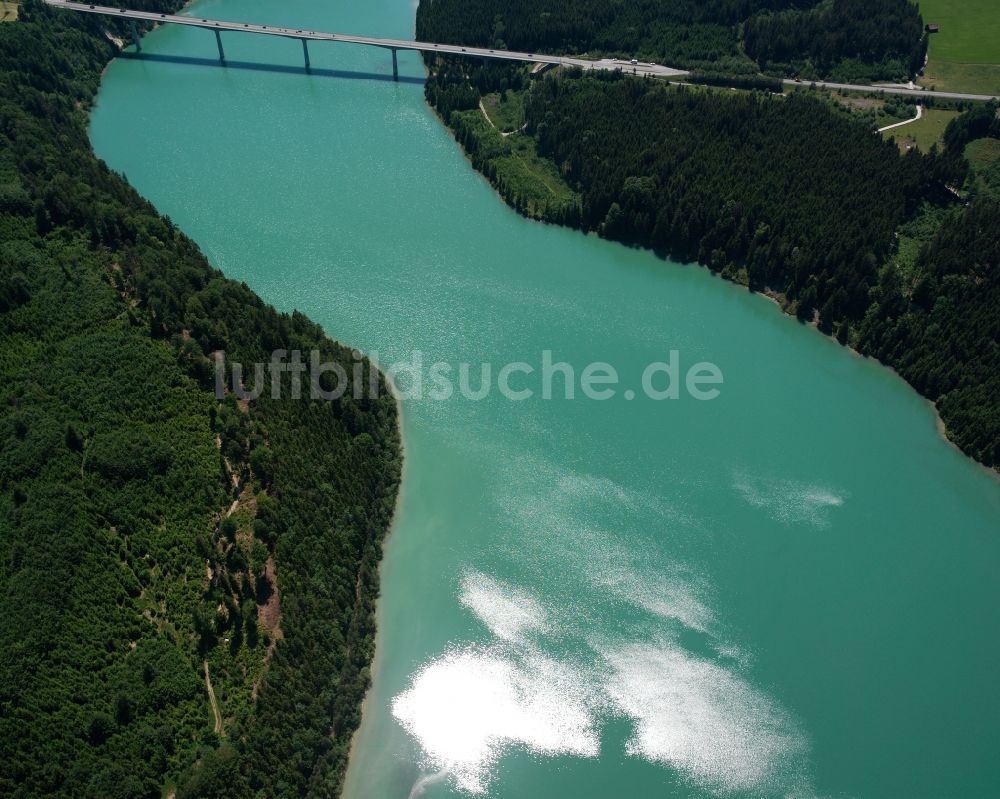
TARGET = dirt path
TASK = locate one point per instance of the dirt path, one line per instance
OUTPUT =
(920, 113)
(501, 132)
(211, 699)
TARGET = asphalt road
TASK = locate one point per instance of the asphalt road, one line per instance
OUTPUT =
(851, 87)
(389, 44)
(655, 70)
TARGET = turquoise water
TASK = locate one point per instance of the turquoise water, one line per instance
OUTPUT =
(790, 590)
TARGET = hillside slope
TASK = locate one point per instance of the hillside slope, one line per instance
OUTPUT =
(151, 535)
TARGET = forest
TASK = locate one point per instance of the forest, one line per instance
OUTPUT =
(858, 40)
(787, 194)
(152, 535)
(853, 40)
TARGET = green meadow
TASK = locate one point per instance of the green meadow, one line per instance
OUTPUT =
(970, 30)
(965, 54)
(948, 76)
(925, 132)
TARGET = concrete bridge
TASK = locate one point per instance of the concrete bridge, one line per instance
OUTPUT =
(393, 45)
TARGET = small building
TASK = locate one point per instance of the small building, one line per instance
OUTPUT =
(931, 27)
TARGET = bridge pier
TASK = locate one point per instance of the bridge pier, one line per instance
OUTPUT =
(305, 52)
(135, 36)
(222, 53)
(395, 66)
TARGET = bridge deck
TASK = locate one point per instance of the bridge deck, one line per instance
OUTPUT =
(655, 70)
(389, 44)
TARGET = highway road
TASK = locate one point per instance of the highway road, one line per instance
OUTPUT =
(851, 87)
(640, 68)
(655, 70)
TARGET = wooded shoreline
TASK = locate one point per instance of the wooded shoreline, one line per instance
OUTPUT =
(124, 574)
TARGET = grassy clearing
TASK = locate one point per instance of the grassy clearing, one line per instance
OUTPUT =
(983, 153)
(8, 11)
(905, 260)
(984, 156)
(912, 236)
(946, 76)
(506, 112)
(883, 119)
(526, 168)
(880, 112)
(970, 30)
(519, 171)
(925, 132)
(965, 54)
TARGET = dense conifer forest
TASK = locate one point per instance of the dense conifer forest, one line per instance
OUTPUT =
(856, 40)
(152, 537)
(788, 194)
(847, 39)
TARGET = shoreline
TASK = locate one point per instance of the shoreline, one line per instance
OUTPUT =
(771, 296)
(377, 655)
(121, 44)
(778, 299)
(118, 46)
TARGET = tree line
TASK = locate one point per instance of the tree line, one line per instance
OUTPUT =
(850, 39)
(853, 40)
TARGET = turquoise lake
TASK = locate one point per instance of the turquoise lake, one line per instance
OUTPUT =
(790, 590)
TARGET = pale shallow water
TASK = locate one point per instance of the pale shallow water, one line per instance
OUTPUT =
(791, 590)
